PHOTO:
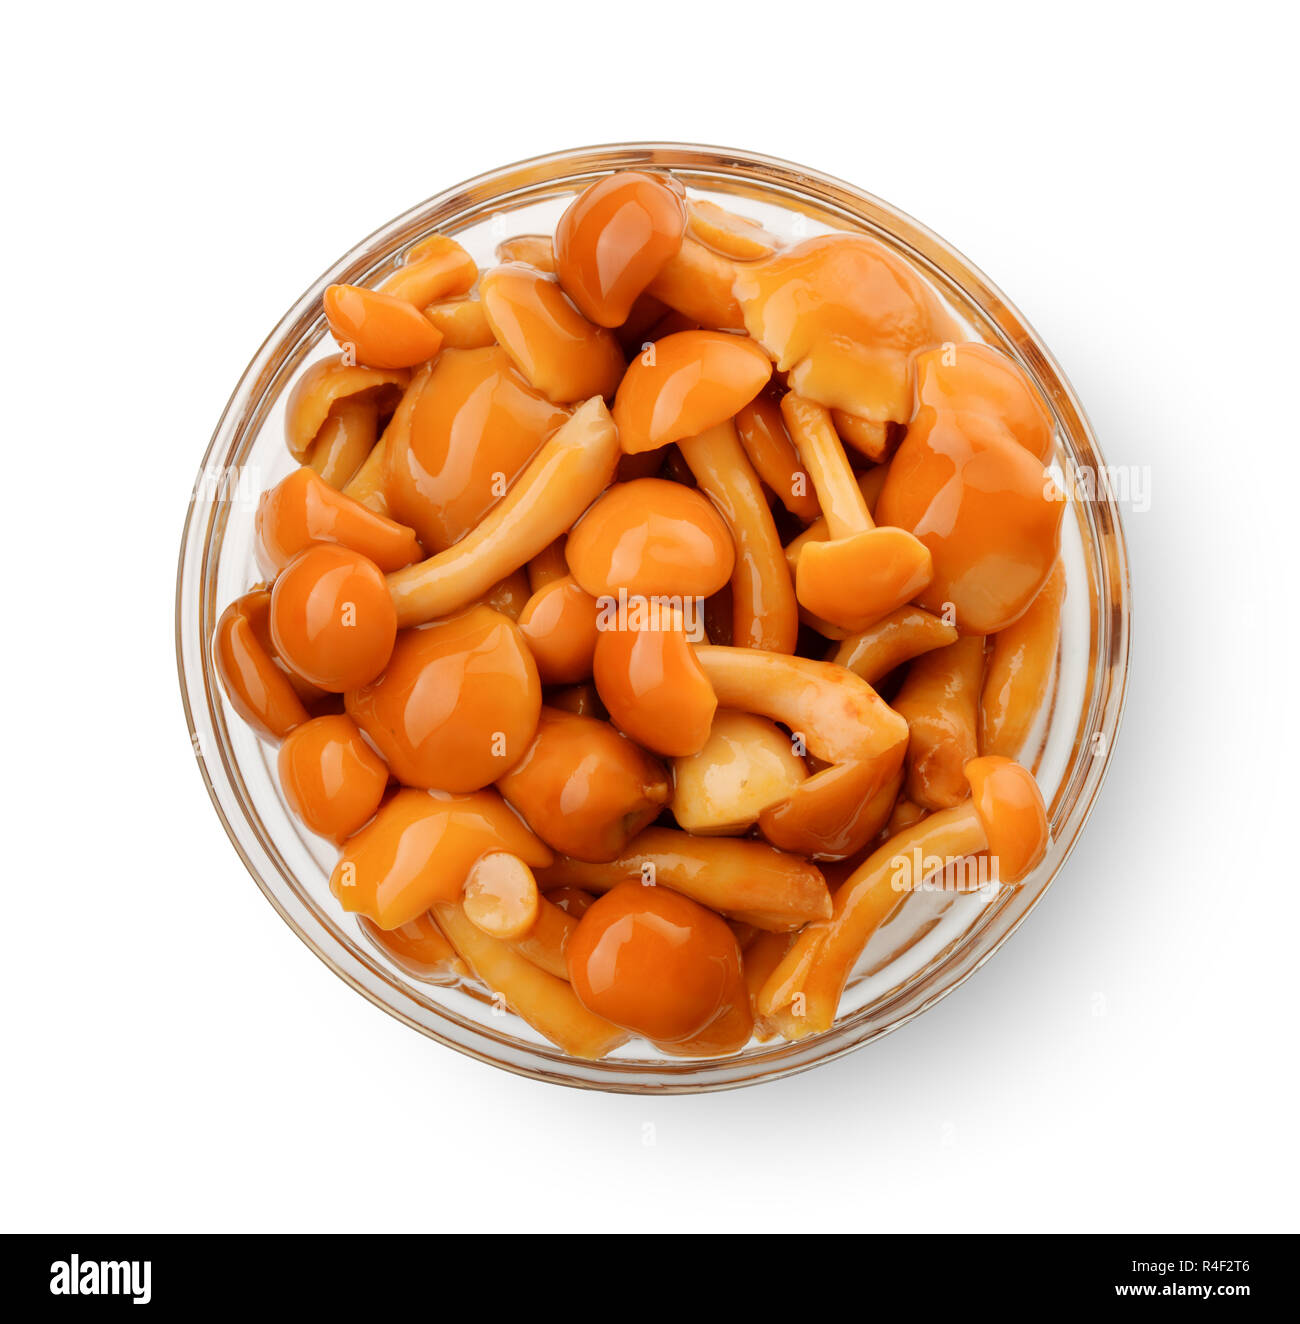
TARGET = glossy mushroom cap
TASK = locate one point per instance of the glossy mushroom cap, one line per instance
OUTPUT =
(302, 509)
(330, 776)
(986, 510)
(559, 351)
(842, 315)
(685, 384)
(332, 619)
(382, 331)
(613, 240)
(457, 705)
(651, 682)
(657, 963)
(559, 624)
(419, 849)
(475, 425)
(583, 788)
(653, 538)
(1010, 807)
(259, 689)
(978, 379)
(855, 581)
(435, 268)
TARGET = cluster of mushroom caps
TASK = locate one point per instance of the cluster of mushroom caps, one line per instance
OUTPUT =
(650, 612)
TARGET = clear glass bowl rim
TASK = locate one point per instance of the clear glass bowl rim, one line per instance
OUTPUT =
(830, 199)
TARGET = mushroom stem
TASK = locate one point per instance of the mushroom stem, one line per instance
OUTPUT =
(417, 947)
(548, 565)
(839, 716)
(558, 484)
(758, 959)
(818, 964)
(697, 282)
(746, 880)
(841, 500)
(870, 481)
(1004, 815)
(940, 702)
(500, 896)
(765, 613)
(1020, 670)
(841, 720)
(866, 437)
(367, 484)
(894, 639)
(861, 572)
(547, 1003)
(548, 939)
(775, 460)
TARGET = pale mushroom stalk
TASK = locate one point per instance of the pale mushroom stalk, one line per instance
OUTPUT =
(1005, 816)
(870, 481)
(745, 880)
(840, 719)
(763, 435)
(1019, 672)
(862, 571)
(558, 484)
(548, 565)
(367, 484)
(546, 942)
(895, 638)
(500, 896)
(940, 702)
(697, 282)
(546, 1002)
(765, 613)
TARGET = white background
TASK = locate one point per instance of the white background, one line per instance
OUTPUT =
(173, 1057)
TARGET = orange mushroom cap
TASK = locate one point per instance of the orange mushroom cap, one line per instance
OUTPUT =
(419, 848)
(842, 315)
(585, 789)
(558, 351)
(1010, 807)
(657, 963)
(986, 510)
(613, 240)
(475, 426)
(383, 331)
(332, 619)
(303, 509)
(685, 384)
(457, 704)
(330, 776)
(978, 379)
(653, 538)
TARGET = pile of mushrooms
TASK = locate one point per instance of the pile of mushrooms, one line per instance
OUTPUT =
(640, 602)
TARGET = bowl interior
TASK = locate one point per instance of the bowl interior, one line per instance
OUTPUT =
(935, 939)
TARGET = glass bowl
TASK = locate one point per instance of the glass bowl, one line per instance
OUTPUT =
(935, 940)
